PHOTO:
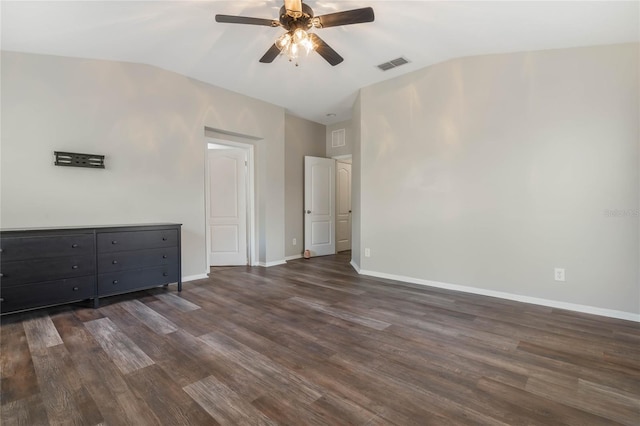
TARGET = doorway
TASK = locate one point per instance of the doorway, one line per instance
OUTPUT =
(319, 206)
(327, 211)
(343, 205)
(343, 202)
(229, 195)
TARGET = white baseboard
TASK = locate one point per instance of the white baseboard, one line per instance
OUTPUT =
(630, 316)
(294, 257)
(355, 266)
(270, 264)
(195, 277)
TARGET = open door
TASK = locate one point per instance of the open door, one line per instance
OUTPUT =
(343, 206)
(228, 207)
(319, 208)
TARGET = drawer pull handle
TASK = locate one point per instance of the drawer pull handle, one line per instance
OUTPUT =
(74, 246)
(114, 242)
(164, 256)
(115, 262)
(165, 274)
(76, 289)
(115, 282)
(164, 238)
(74, 267)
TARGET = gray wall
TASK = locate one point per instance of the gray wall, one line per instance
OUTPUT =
(348, 142)
(356, 184)
(302, 137)
(490, 171)
(150, 124)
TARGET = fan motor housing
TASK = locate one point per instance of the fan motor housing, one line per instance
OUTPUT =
(291, 23)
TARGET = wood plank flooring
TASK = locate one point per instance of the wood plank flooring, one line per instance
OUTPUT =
(313, 343)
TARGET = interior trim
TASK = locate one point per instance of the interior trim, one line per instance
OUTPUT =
(195, 277)
(270, 264)
(630, 316)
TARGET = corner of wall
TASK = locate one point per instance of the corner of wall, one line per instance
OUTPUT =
(356, 179)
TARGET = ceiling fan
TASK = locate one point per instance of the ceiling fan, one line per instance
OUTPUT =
(297, 18)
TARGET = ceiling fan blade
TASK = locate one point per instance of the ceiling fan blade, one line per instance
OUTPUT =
(271, 54)
(325, 50)
(348, 17)
(229, 19)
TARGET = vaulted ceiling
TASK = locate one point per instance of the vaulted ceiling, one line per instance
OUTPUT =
(183, 37)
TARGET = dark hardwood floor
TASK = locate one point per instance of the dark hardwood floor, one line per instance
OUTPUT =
(313, 343)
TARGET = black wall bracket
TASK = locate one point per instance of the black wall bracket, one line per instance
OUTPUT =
(73, 159)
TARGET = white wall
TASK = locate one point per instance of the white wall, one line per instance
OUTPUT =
(356, 184)
(150, 124)
(302, 137)
(348, 139)
(490, 171)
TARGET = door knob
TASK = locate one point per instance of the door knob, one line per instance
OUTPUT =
(308, 211)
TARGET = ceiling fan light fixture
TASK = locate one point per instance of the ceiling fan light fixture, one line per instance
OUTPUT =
(294, 43)
(283, 41)
(302, 39)
(299, 35)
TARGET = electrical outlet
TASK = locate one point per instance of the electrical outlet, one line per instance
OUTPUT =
(295, 241)
(367, 252)
(558, 274)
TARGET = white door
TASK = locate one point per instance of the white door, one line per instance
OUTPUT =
(319, 209)
(228, 207)
(343, 206)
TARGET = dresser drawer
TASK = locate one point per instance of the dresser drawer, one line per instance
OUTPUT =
(29, 271)
(19, 248)
(122, 261)
(109, 242)
(122, 282)
(46, 293)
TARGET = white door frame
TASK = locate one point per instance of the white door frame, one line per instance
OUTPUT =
(252, 246)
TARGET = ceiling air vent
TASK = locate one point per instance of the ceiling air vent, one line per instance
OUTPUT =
(393, 63)
(72, 159)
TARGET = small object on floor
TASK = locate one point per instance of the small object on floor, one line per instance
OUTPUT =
(307, 254)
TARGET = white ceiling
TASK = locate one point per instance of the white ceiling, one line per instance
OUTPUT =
(183, 36)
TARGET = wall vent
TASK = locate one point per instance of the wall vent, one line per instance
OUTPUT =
(393, 64)
(338, 138)
(73, 159)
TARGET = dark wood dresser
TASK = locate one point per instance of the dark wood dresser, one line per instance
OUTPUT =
(44, 267)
